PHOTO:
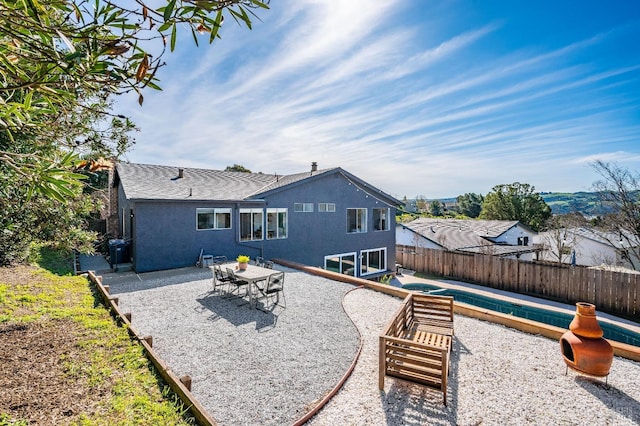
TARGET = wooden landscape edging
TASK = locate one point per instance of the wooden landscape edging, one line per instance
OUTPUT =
(336, 276)
(302, 420)
(528, 326)
(180, 385)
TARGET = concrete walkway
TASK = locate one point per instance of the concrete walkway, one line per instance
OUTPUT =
(95, 262)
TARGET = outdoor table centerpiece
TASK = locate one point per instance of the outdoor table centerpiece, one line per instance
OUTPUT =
(243, 261)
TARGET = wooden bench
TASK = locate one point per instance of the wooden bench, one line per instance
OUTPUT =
(432, 313)
(416, 345)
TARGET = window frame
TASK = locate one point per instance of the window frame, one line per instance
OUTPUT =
(363, 221)
(385, 217)
(254, 232)
(326, 207)
(278, 211)
(304, 207)
(215, 211)
(364, 269)
(340, 256)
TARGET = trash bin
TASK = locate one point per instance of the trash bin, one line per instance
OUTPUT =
(118, 252)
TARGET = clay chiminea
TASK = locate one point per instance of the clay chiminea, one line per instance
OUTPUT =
(583, 347)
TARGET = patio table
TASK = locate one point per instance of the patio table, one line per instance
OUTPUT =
(252, 275)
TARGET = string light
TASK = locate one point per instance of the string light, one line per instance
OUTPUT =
(360, 188)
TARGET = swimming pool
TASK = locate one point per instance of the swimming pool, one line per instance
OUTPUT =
(558, 319)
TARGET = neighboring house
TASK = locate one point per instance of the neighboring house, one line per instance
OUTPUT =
(411, 206)
(503, 238)
(450, 205)
(591, 247)
(327, 218)
(422, 205)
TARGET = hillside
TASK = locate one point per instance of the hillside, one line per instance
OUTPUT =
(586, 203)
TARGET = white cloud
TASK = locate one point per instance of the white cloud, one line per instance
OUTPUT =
(352, 84)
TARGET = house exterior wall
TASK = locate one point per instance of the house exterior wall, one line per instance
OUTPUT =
(164, 234)
(593, 253)
(511, 237)
(588, 252)
(409, 238)
(314, 235)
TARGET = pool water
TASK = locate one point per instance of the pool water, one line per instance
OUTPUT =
(558, 319)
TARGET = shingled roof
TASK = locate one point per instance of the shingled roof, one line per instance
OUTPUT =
(154, 182)
(474, 236)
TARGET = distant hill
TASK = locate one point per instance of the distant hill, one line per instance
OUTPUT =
(586, 203)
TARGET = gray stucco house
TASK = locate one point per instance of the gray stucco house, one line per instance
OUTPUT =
(327, 218)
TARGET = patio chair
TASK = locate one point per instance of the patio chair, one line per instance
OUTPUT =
(259, 261)
(237, 283)
(219, 278)
(268, 264)
(274, 287)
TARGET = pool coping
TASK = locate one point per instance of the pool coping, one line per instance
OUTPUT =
(533, 327)
(522, 299)
(529, 326)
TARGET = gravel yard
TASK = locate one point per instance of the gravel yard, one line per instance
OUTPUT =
(254, 368)
(247, 367)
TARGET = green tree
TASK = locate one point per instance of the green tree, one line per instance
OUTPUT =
(516, 201)
(619, 192)
(63, 59)
(28, 216)
(61, 64)
(237, 168)
(470, 204)
(435, 208)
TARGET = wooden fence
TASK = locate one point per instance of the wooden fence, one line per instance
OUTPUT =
(613, 292)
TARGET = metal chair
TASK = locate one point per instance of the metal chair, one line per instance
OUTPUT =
(259, 261)
(219, 278)
(268, 264)
(274, 287)
(236, 282)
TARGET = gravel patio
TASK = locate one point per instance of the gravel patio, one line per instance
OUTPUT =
(249, 367)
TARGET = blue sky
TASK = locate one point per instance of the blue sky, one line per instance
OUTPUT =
(432, 98)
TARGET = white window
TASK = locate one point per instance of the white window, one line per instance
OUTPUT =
(251, 221)
(277, 223)
(303, 207)
(356, 220)
(213, 219)
(342, 263)
(326, 207)
(373, 261)
(381, 219)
